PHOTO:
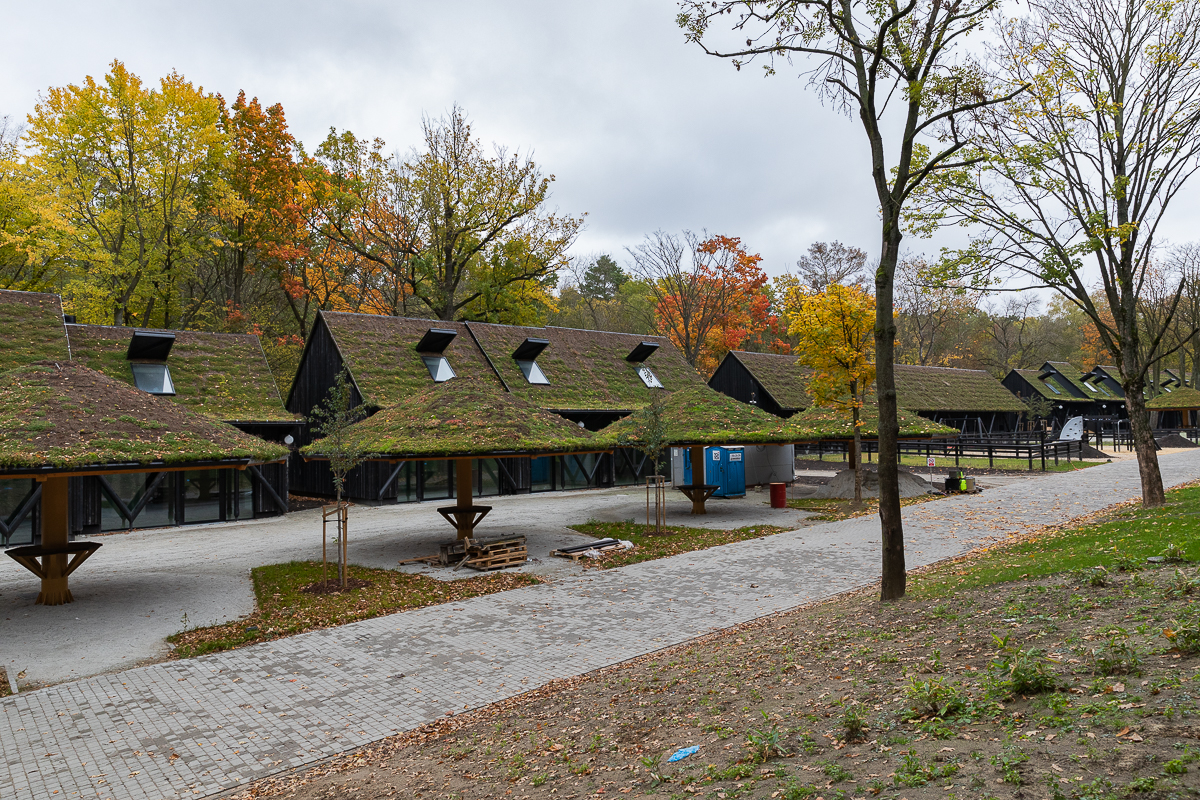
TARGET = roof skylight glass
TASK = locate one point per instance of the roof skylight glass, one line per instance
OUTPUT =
(439, 368)
(1053, 388)
(533, 373)
(153, 378)
(1090, 388)
(648, 377)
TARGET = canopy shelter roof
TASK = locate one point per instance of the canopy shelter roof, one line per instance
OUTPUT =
(58, 417)
(1183, 398)
(817, 424)
(926, 389)
(223, 376)
(31, 329)
(584, 370)
(699, 416)
(466, 418)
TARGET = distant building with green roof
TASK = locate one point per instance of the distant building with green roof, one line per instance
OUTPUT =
(591, 378)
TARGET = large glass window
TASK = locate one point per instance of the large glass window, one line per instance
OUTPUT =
(132, 487)
(153, 378)
(575, 470)
(13, 494)
(202, 495)
(648, 377)
(436, 479)
(541, 474)
(533, 373)
(489, 476)
(439, 368)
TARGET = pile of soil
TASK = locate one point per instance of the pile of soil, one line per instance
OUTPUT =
(1174, 440)
(1091, 452)
(842, 484)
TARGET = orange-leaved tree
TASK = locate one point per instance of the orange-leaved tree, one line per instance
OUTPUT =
(834, 330)
(706, 292)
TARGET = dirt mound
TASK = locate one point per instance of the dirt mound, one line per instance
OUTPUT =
(842, 485)
(1174, 440)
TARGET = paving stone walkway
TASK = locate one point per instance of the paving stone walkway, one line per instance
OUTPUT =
(197, 727)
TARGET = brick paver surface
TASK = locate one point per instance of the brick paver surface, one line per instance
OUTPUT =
(197, 727)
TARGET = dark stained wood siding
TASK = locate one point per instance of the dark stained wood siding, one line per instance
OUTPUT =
(732, 379)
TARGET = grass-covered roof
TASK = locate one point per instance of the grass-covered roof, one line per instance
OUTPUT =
(587, 370)
(1074, 376)
(64, 415)
(783, 377)
(698, 415)
(381, 354)
(1043, 387)
(946, 389)
(817, 423)
(465, 417)
(1182, 398)
(221, 375)
(31, 329)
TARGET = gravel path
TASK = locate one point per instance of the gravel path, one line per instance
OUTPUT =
(197, 727)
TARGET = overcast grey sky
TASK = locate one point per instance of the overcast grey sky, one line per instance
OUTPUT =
(641, 130)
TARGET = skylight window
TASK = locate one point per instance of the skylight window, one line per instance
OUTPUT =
(1090, 388)
(533, 373)
(1053, 388)
(439, 368)
(153, 378)
(648, 377)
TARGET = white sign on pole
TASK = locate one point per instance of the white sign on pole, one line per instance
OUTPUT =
(931, 462)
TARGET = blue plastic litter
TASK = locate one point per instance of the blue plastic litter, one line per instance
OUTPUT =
(683, 753)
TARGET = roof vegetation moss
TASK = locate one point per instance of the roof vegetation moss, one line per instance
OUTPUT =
(64, 415)
(947, 389)
(221, 375)
(587, 370)
(698, 415)
(1064, 395)
(819, 423)
(1182, 398)
(783, 377)
(465, 417)
(31, 329)
(381, 355)
(1074, 377)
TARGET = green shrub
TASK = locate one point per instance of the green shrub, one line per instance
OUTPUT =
(935, 697)
(1022, 671)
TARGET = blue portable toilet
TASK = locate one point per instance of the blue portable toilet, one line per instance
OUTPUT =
(724, 467)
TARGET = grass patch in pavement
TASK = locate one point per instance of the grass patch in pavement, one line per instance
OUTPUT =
(1058, 686)
(283, 609)
(674, 539)
(1012, 464)
(1119, 540)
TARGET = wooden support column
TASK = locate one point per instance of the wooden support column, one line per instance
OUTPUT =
(55, 535)
(463, 486)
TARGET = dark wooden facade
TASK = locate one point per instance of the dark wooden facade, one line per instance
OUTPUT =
(735, 380)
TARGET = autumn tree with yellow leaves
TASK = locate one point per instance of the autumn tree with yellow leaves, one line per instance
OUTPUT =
(834, 333)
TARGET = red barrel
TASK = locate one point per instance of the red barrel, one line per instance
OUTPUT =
(778, 495)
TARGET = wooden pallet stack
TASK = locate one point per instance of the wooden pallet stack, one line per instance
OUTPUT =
(481, 554)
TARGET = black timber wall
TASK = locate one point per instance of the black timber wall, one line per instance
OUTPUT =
(732, 379)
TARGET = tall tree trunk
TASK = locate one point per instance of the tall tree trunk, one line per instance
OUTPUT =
(1144, 445)
(894, 576)
(857, 446)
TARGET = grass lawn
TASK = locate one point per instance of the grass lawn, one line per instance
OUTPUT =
(917, 464)
(1000, 676)
(674, 539)
(282, 609)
